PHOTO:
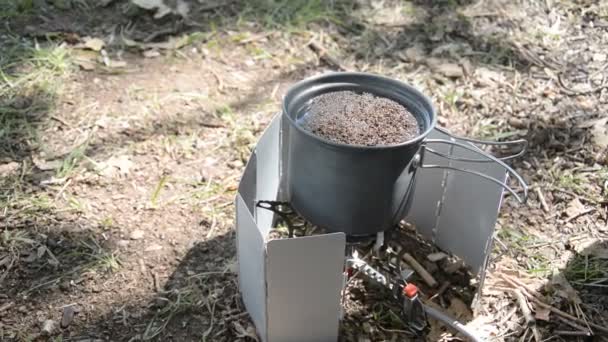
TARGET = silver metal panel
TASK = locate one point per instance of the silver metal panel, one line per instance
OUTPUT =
(247, 185)
(469, 212)
(251, 264)
(267, 174)
(304, 283)
(284, 151)
(429, 189)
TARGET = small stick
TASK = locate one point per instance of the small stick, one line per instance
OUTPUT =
(572, 324)
(220, 83)
(541, 198)
(441, 290)
(583, 213)
(525, 310)
(256, 38)
(424, 274)
(568, 317)
(571, 333)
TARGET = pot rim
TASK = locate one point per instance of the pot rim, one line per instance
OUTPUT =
(301, 85)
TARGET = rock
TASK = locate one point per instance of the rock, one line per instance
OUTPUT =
(517, 123)
(446, 69)
(48, 327)
(452, 70)
(68, 316)
(434, 257)
(151, 53)
(137, 234)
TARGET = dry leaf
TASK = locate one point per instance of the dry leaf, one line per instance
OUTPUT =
(599, 132)
(594, 248)
(542, 313)
(488, 77)
(6, 169)
(94, 44)
(564, 289)
(40, 252)
(414, 53)
(115, 166)
(575, 207)
(446, 69)
(85, 59)
(158, 5)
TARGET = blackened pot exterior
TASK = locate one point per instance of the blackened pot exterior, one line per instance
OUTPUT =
(358, 190)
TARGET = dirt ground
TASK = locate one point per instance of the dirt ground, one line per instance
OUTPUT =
(123, 136)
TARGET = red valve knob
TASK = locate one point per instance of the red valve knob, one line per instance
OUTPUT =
(410, 290)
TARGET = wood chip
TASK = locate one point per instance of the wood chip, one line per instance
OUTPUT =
(434, 257)
(422, 272)
(68, 316)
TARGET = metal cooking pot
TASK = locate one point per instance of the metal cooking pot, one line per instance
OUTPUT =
(358, 190)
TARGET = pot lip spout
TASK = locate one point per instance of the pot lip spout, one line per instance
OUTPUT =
(378, 85)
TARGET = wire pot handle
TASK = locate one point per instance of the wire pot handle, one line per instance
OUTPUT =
(522, 142)
(490, 158)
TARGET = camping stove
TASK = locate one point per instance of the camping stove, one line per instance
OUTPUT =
(293, 273)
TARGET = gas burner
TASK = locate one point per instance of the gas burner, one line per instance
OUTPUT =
(312, 214)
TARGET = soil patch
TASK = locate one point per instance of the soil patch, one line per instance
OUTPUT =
(359, 119)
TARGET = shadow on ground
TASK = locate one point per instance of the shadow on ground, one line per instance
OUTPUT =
(198, 301)
(438, 27)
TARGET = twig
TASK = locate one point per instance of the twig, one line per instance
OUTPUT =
(6, 306)
(60, 120)
(572, 324)
(586, 199)
(530, 293)
(63, 189)
(585, 212)
(569, 91)
(422, 272)
(155, 282)
(541, 198)
(571, 333)
(523, 337)
(441, 290)
(236, 316)
(220, 83)
(256, 37)
(167, 31)
(212, 125)
(525, 310)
